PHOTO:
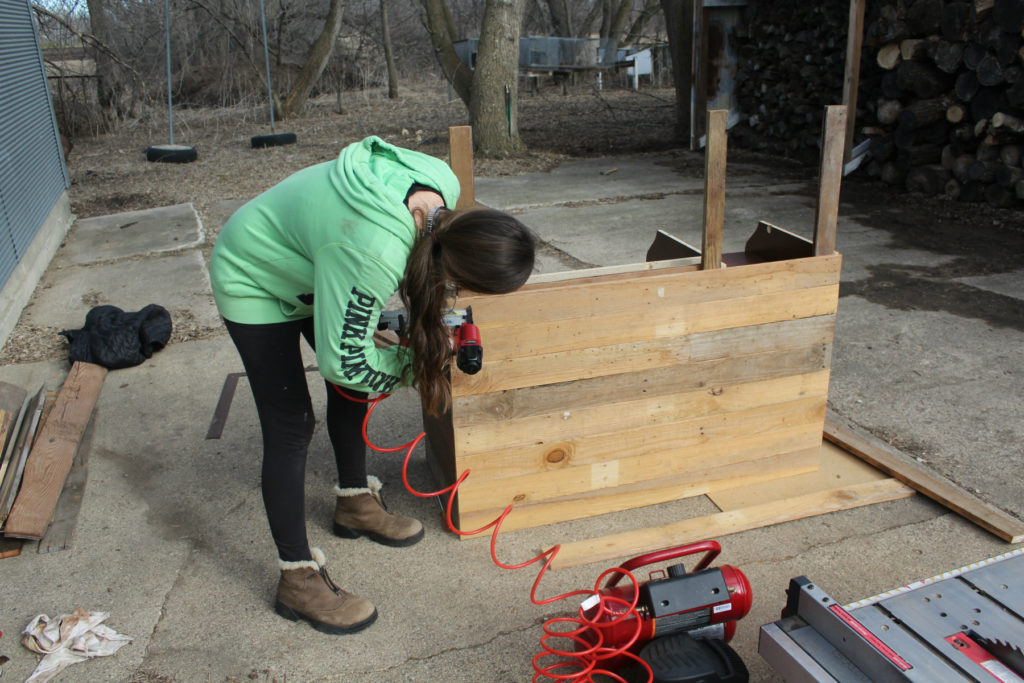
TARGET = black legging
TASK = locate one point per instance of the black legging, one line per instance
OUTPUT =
(273, 363)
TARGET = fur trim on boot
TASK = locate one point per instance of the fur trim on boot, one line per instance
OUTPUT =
(362, 512)
(306, 591)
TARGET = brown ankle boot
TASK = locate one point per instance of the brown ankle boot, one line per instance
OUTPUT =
(361, 512)
(306, 591)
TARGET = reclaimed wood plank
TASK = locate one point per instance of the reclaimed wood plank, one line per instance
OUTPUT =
(15, 472)
(637, 468)
(551, 369)
(51, 458)
(636, 293)
(460, 158)
(672, 320)
(714, 189)
(673, 440)
(938, 488)
(830, 178)
(623, 545)
(642, 411)
(647, 380)
(648, 492)
(851, 76)
(61, 533)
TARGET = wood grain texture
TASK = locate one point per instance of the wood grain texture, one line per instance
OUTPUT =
(889, 460)
(54, 450)
(460, 158)
(649, 492)
(851, 77)
(632, 543)
(830, 178)
(714, 189)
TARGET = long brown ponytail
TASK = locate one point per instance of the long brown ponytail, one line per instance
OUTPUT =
(479, 250)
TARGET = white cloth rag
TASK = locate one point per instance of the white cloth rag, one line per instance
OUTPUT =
(68, 639)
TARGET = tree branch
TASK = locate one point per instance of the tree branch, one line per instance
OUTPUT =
(86, 38)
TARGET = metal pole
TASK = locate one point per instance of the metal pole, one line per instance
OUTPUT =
(167, 32)
(266, 59)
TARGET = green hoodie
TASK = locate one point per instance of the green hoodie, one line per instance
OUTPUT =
(330, 241)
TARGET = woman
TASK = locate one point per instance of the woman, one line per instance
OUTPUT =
(318, 255)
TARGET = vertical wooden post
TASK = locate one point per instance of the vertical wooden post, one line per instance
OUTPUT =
(460, 157)
(854, 38)
(698, 75)
(714, 189)
(830, 178)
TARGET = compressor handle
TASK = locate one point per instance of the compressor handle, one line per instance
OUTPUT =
(711, 548)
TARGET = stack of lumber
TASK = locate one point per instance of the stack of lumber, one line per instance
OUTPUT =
(947, 117)
(791, 65)
(40, 439)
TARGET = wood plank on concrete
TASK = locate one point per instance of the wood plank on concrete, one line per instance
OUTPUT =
(52, 455)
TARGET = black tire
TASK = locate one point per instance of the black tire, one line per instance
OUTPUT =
(171, 154)
(272, 140)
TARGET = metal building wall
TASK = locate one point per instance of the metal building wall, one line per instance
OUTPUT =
(32, 171)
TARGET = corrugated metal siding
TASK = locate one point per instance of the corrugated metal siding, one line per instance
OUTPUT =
(32, 172)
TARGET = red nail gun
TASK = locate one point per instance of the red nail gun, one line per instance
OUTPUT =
(469, 352)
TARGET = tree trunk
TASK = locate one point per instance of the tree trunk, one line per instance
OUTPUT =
(679, 27)
(106, 76)
(495, 90)
(389, 53)
(560, 18)
(441, 37)
(315, 63)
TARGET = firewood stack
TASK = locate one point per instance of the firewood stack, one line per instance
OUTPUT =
(941, 92)
(948, 116)
(791, 65)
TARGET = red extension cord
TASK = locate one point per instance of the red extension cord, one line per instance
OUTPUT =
(578, 665)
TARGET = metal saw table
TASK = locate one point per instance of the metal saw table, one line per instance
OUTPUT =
(964, 625)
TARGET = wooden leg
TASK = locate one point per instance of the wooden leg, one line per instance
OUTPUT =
(830, 179)
(460, 157)
(714, 189)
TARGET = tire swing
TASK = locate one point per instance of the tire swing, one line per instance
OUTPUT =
(170, 153)
(273, 139)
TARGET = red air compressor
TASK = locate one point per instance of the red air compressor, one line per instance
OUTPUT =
(675, 610)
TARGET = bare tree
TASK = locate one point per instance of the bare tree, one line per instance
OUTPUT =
(389, 53)
(490, 90)
(319, 55)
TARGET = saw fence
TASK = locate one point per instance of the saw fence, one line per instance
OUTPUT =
(614, 388)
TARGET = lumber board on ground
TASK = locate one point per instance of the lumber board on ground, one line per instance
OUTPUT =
(936, 487)
(16, 468)
(624, 545)
(51, 458)
(60, 534)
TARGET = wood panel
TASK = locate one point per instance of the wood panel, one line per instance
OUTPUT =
(52, 454)
(714, 189)
(611, 392)
(639, 468)
(649, 493)
(645, 356)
